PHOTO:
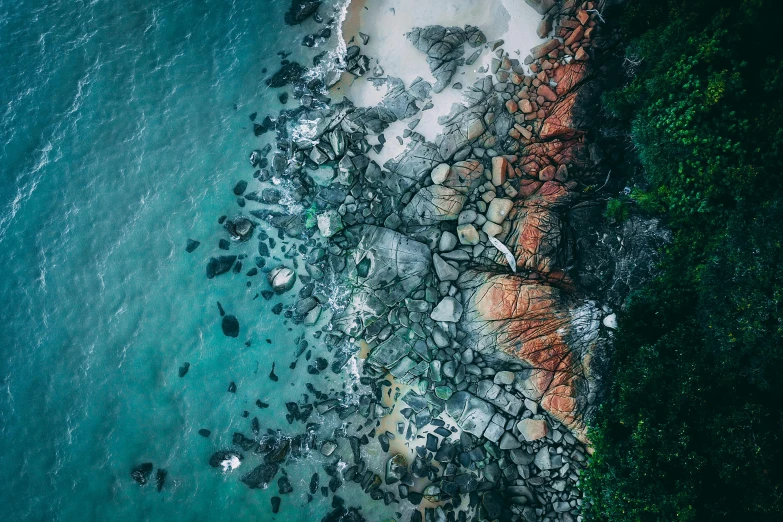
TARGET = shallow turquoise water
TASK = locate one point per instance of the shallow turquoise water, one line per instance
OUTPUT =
(124, 127)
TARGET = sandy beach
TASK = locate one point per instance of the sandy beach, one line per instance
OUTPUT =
(386, 22)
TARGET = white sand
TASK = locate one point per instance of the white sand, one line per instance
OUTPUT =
(387, 21)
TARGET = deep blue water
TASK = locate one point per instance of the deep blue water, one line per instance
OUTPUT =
(123, 128)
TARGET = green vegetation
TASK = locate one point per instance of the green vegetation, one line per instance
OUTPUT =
(692, 426)
(617, 210)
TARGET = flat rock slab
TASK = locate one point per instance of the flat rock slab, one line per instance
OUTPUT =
(389, 267)
(532, 429)
(471, 413)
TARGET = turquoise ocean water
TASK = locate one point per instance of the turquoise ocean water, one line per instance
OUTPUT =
(123, 128)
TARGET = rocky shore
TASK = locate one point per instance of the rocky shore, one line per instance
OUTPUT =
(450, 276)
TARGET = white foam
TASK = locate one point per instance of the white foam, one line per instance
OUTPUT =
(230, 464)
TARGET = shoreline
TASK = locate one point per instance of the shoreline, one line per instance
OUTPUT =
(434, 191)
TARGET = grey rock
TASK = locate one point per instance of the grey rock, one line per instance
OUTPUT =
(440, 173)
(509, 442)
(389, 266)
(443, 269)
(440, 338)
(433, 204)
(389, 353)
(468, 235)
(521, 457)
(542, 459)
(328, 447)
(471, 413)
(504, 377)
(281, 279)
(444, 46)
(447, 241)
(466, 216)
(329, 223)
(448, 310)
(303, 306)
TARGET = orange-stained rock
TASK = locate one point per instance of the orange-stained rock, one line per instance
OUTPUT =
(559, 123)
(547, 173)
(534, 315)
(575, 36)
(547, 93)
(569, 76)
(536, 229)
(540, 325)
(555, 152)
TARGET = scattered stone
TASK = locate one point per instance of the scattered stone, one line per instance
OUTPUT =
(443, 269)
(230, 326)
(183, 370)
(141, 473)
(448, 310)
(192, 246)
(396, 467)
(467, 234)
(219, 265)
(532, 429)
(498, 210)
(328, 447)
(281, 279)
(329, 223)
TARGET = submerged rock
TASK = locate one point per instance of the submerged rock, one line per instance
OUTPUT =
(230, 326)
(219, 265)
(291, 72)
(261, 476)
(301, 10)
(341, 514)
(192, 246)
(160, 479)
(141, 473)
(183, 370)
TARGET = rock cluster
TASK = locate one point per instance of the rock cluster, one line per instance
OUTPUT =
(453, 260)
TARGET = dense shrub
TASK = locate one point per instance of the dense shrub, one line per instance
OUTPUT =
(692, 427)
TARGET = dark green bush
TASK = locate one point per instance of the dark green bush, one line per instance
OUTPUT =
(692, 426)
